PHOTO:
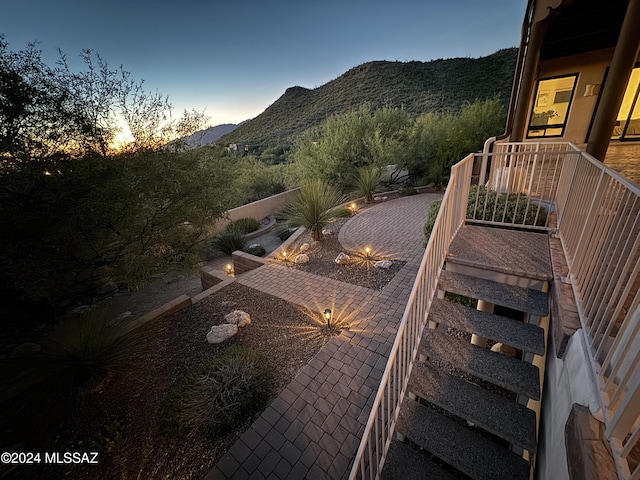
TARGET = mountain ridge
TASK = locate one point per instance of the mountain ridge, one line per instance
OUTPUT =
(418, 87)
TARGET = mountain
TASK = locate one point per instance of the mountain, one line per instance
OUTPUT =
(209, 135)
(420, 87)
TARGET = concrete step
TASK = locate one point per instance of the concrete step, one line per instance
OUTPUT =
(407, 463)
(493, 413)
(467, 451)
(510, 373)
(517, 298)
(522, 336)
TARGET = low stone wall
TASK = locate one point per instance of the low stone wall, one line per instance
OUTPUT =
(210, 277)
(243, 262)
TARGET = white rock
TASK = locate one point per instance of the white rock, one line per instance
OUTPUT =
(228, 303)
(254, 245)
(304, 247)
(383, 264)
(302, 258)
(327, 231)
(238, 317)
(123, 315)
(342, 259)
(220, 333)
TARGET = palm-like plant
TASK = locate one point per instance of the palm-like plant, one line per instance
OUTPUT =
(312, 206)
(366, 182)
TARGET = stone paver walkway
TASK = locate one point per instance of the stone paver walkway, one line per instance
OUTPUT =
(313, 428)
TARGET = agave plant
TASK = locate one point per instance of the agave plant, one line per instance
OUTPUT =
(313, 206)
(366, 182)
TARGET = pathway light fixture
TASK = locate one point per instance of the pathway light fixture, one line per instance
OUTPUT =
(327, 315)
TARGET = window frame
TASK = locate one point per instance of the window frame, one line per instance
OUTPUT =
(562, 126)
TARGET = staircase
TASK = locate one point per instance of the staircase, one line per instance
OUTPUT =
(465, 414)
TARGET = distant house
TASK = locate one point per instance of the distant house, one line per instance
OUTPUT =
(242, 148)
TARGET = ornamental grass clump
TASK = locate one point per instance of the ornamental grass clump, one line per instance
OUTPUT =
(227, 391)
(313, 206)
(244, 225)
(366, 182)
(230, 239)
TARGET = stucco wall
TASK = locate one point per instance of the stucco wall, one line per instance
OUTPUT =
(568, 381)
(258, 210)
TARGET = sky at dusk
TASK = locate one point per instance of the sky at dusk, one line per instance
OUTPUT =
(234, 59)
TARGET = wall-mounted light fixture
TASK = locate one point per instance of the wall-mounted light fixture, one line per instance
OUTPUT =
(327, 315)
(591, 89)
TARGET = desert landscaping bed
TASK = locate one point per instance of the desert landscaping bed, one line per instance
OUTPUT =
(123, 413)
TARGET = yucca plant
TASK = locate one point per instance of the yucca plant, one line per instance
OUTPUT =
(312, 206)
(366, 182)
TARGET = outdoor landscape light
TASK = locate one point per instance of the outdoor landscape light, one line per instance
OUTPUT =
(284, 256)
(327, 315)
(353, 207)
(367, 252)
(229, 268)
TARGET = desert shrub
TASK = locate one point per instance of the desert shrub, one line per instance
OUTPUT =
(342, 212)
(245, 225)
(284, 231)
(75, 354)
(312, 206)
(512, 207)
(229, 240)
(432, 215)
(366, 182)
(406, 191)
(225, 392)
(257, 250)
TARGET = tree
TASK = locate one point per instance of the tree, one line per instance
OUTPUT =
(346, 142)
(54, 112)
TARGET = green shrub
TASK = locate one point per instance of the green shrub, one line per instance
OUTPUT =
(408, 191)
(342, 212)
(512, 207)
(224, 393)
(513, 204)
(432, 215)
(229, 240)
(284, 231)
(257, 250)
(245, 225)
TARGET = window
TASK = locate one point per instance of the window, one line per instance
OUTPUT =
(628, 120)
(551, 107)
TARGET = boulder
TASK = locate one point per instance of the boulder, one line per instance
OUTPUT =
(123, 316)
(327, 231)
(304, 247)
(342, 259)
(383, 264)
(254, 245)
(238, 317)
(302, 258)
(220, 333)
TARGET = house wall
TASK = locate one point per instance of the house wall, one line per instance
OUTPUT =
(591, 68)
(568, 380)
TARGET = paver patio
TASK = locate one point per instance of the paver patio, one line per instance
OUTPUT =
(312, 429)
